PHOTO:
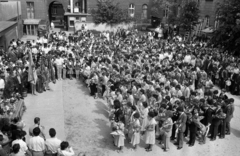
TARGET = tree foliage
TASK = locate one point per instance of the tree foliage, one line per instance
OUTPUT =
(228, 33)
(110, 13)
(158, 7)
(189, 16)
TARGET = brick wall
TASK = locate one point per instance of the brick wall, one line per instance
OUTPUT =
(124, 4)
(42, 6)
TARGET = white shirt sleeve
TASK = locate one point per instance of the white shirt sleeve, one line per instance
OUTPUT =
(69, 152)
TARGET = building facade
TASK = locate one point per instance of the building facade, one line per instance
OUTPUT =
(10, 23)
(64, 13)
(80, 10)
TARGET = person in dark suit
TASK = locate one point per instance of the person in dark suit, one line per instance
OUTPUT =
(223, 122)
(205, 63)
(181, 125)
(174, 119)
(216, 121)
(207, 113)
(193, 127)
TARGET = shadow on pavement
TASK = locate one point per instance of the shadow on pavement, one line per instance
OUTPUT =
(101, 109)
(105, 141)
(83, 87)
(235, 132)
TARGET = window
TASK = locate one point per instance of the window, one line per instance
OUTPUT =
(131, 10)
(178, 11)
(71, 23)
(166, 11)
(30, 10)
(217, 20)
(54, 10)
(144, 11)
(81, 6)
(207, 20)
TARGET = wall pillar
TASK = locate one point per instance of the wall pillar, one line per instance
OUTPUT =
(71, 6)
(83, 6)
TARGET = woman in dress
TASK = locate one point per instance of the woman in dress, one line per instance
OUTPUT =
(118, 133)
(135, 131)
(144, 115)
(93, 85)
(149, 137)
(166, 130)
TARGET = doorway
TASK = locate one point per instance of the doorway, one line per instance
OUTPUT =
(56, 14)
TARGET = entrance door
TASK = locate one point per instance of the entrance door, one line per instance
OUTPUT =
(56, 14)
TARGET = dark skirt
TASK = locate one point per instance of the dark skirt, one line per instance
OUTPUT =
(39, 84)
(93, 88)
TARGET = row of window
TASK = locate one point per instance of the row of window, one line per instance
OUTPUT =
(131, 10)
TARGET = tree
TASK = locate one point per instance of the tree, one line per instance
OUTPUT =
(110, 13)
(227, 34)
(159, 6)
(189, 16)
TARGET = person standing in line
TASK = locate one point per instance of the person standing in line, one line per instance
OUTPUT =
(229, 115)
(166, 130)
(149, 133)
(34, 81)
(181, 127)
(77, 69)
(59, 63)
(135, 130)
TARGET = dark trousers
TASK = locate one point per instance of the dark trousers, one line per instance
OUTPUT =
(228, 126)
(103, 89)
(173, 132)
(214, 130)
(223, 128)
(187, 129)
(193, 132)
(180, 139)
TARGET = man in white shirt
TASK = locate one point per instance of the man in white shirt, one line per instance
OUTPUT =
(2, 84)
(59, 62)
(130, 97)
(23, 145)
(187, 59)
(65, 149)
(53, 143)
(36, 143)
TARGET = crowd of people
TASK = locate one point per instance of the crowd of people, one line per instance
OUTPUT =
(161, 89)
(156, 89)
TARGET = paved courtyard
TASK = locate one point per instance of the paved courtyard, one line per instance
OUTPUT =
(83, 121)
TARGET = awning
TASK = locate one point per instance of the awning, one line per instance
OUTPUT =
(208, 30)
(76, 14)
(31, 21)
(6, 24)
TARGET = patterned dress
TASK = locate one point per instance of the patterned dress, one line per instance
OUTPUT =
(149, 137)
